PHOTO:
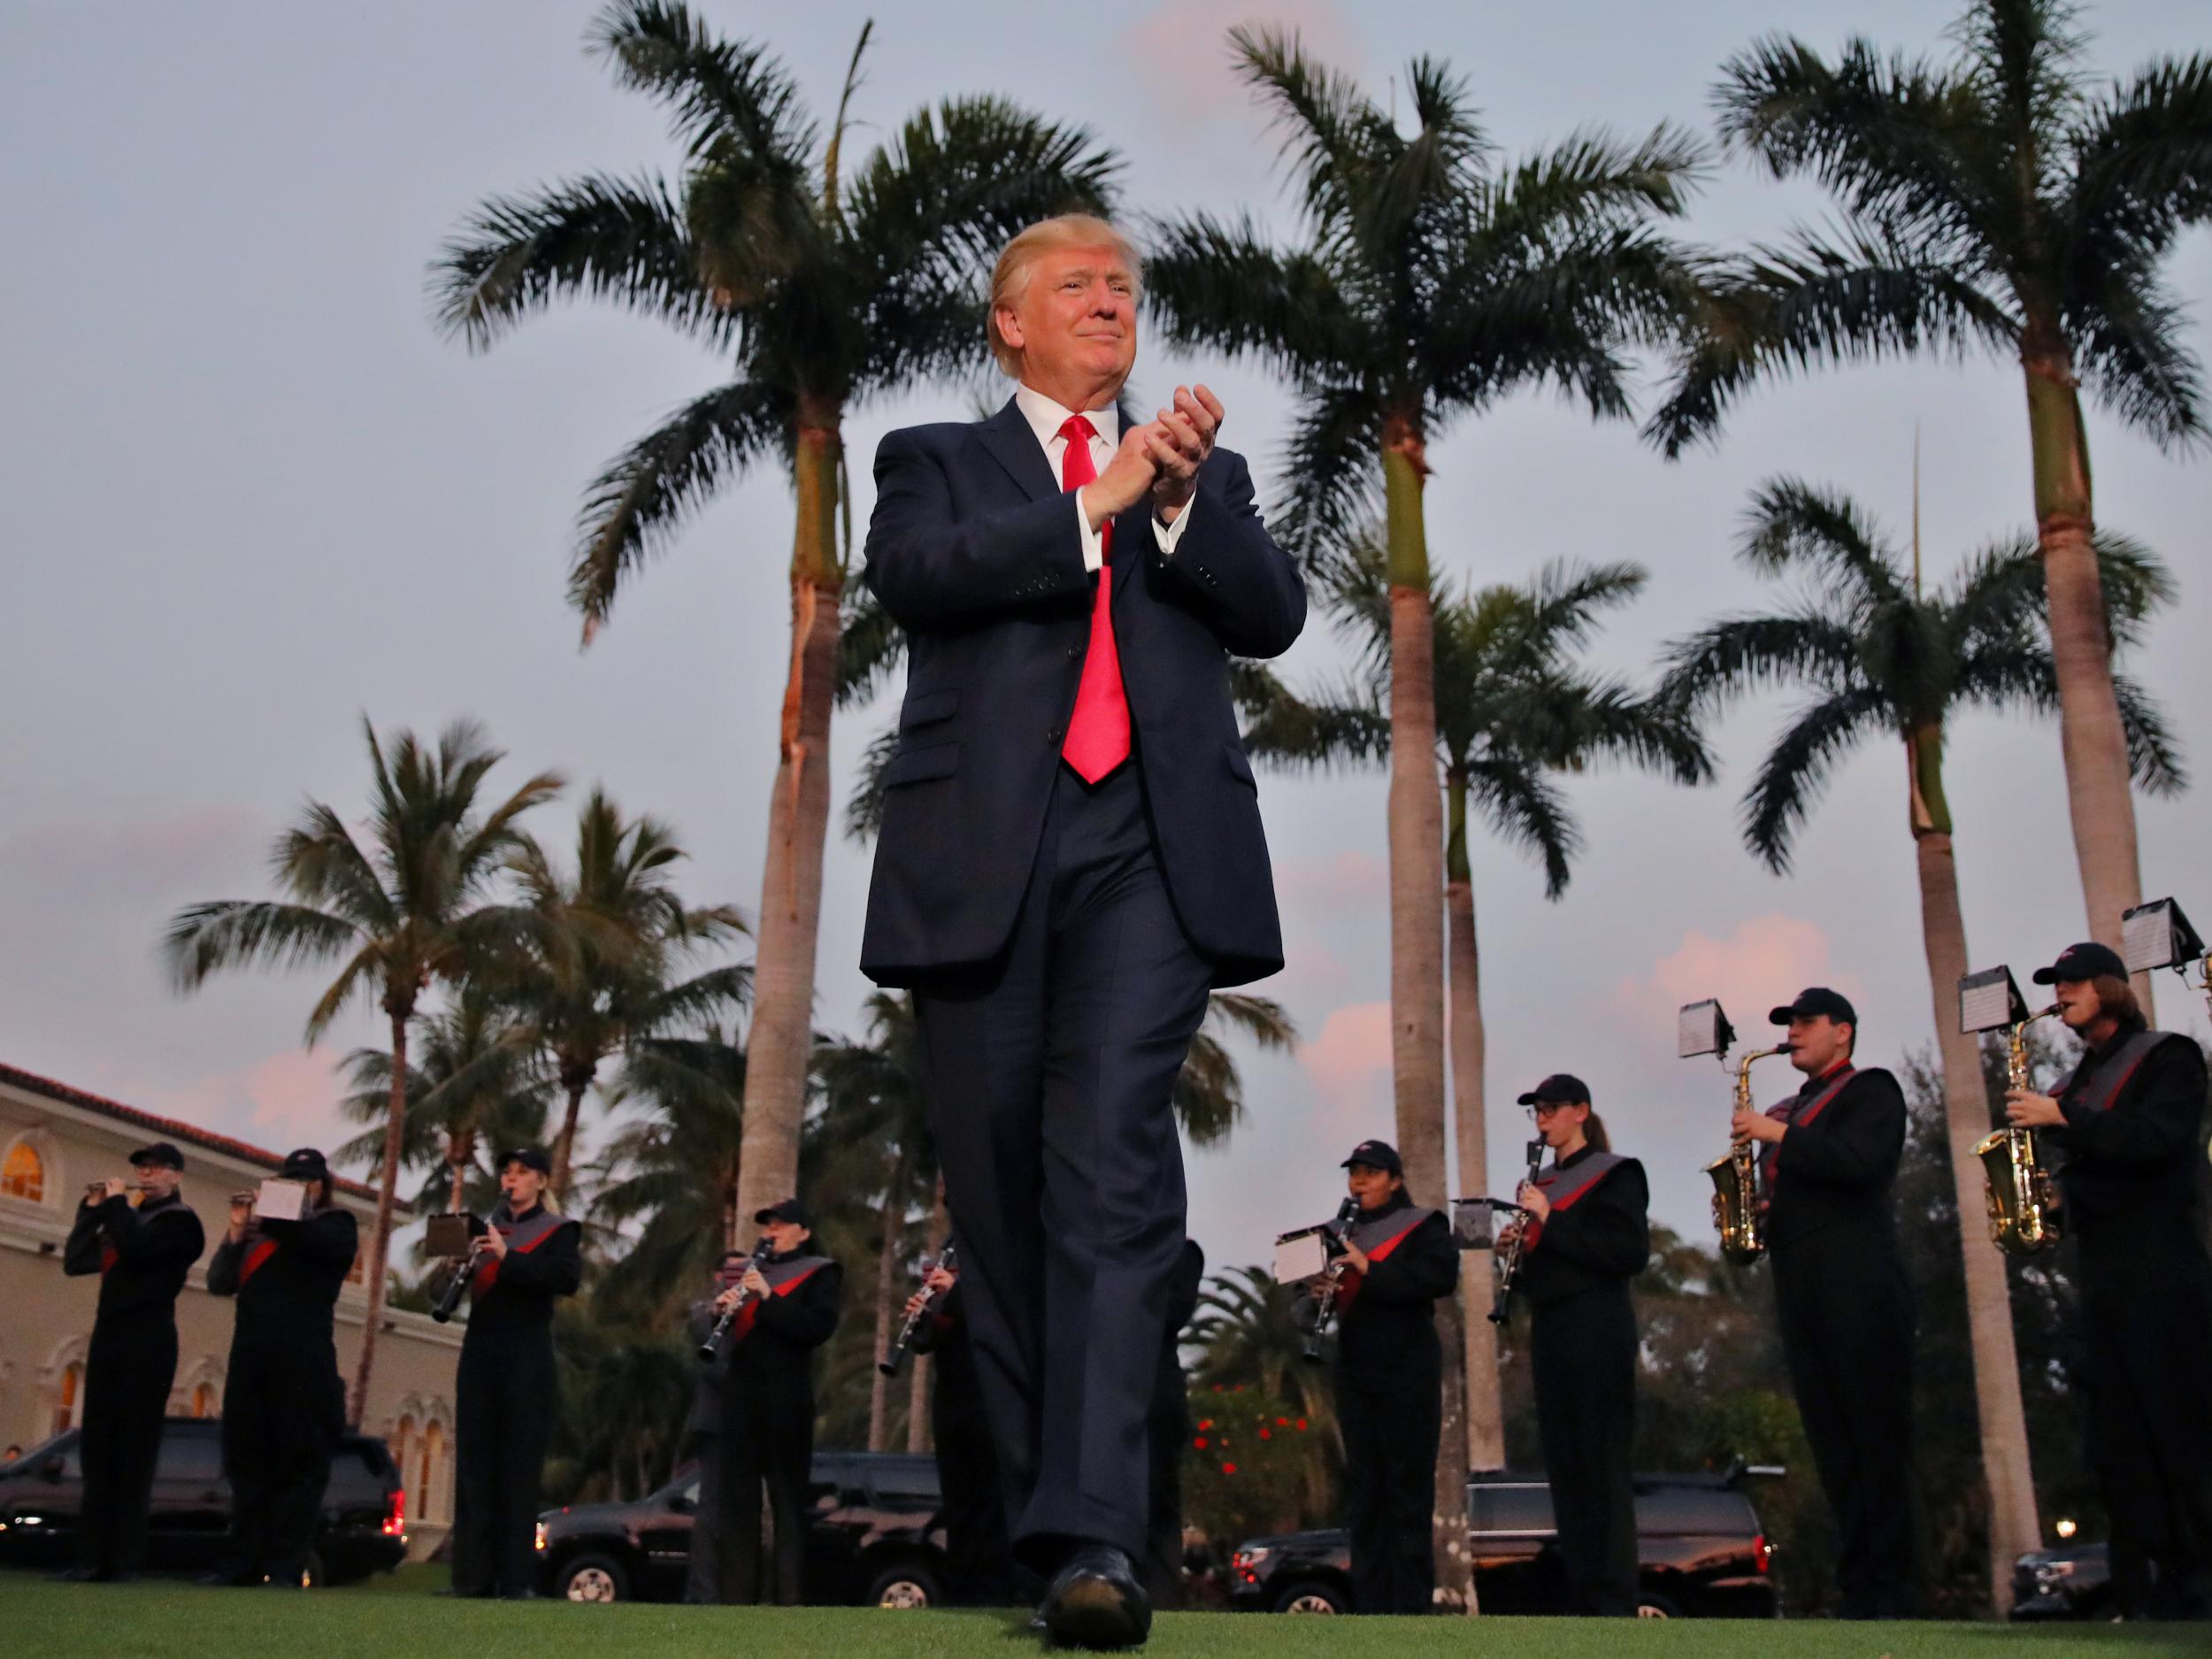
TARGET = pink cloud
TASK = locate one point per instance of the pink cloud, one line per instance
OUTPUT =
(1353, 881)
(1765, 960)
(1349, 1064)
(1182, 51)
(288, 1099)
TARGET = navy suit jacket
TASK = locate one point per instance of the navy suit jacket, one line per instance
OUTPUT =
(975, 549)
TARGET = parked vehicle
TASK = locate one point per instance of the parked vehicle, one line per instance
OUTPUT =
(1701, 1552)
(874, 1539)
(2071, 1581)
(364, 1526)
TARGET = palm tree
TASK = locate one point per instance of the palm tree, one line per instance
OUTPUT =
(1880, 656)
(604, 944)
(472, 1081)
(2001, 202)
(409, 908)
(827, 291)
(1513, 710)
(1431, 287)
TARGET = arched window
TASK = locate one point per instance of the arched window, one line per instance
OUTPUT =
(432, 1470)
(69, 1396)
(205, 1401)
(23, 1174)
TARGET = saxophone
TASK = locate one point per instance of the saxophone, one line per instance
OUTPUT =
(1736, 1178)
(2022, 1202)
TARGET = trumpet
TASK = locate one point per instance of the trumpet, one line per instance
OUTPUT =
(1510, 1258)
(711, 1350)
(1736, 1177)
(890, 1362)
(1332, 1276)
(2021, 1198)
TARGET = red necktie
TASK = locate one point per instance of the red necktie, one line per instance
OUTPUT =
(1098, 733)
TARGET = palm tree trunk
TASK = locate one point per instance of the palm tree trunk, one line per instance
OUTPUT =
(1416, 947)
(1486, 1410)
(564, 1146)
(456, 1161)
(2094, 743)
(2014, 1528)
(380, 1240)
(887, 1295)
(798, 820)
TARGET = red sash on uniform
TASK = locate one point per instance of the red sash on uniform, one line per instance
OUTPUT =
(1588, 1173)
(258, 1250)
(1790, 1115)
(524, 1236)
(2097, 1090)
(1388, 1232)
(783, 1278)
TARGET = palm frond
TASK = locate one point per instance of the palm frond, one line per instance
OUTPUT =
(233, 933)
(863, 807)
(1341, 727)
(1796, 771)
(2154, 754)
(1526, 809)
(1739, 655)
(1792, 523)
(870, 647)
(1217, 285)
(724, 94)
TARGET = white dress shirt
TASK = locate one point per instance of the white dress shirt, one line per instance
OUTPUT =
(1045, 418)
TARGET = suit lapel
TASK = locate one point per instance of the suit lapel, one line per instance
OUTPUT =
(1015, 447)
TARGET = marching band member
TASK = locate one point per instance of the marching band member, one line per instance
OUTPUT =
(979, 1561)
(141, 1256)
(707, 1564)
(1840, 1292)
(787, 1306)
(507, 1394)
(1587, 1235)
(2128, 1121)
(1398, 1260)
(283, 1405)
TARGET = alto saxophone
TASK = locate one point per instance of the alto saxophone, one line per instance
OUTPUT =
(2023, 1199)
(1736, 1178)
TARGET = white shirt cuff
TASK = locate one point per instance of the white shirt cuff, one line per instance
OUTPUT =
(1168, 534)
(1093, 544)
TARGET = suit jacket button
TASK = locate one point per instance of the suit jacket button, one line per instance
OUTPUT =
(1073, 652)
(1055, 735)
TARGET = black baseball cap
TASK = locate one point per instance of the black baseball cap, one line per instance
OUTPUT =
(306, 1165)
(1814, 1001)
(2085, 961)
(1562, 1087)
(788, 1210)
(1376, 1155)
(162, 1153)
(529, 1158)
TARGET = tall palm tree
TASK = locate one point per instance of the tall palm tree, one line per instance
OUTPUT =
(1514, 710)
(2005, 202)
(827, 291)
(1881, 657)
(411, 907)
(1432, 285)
(472, 1088)
(604, 945)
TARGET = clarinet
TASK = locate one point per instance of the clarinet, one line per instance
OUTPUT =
(463, 1270)
(1510, 1258)
(890, 1362)
(711, 1350)
(1325, 1301)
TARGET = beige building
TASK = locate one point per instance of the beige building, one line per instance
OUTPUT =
(54, 1140)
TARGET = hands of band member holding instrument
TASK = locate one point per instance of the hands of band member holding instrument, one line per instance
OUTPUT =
(1530, 1198)
(1159, 457)
(493, 1242)
(2024, 1109)
(241, 1213)
(1355, 1257)
(753, 1284)
(1756, 1126)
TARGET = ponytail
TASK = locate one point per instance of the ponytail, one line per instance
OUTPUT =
(1594, 1132)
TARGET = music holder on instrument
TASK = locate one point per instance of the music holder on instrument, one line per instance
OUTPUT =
(1990, 1001)
(1304, 1255)
(281, 1201)
(1701, 1028)
(1476, 1221)
(2158, 935)
(452, 1235)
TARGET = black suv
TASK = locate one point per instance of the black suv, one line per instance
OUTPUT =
(363, 1523)
(1698, 1541)
(2066, 1581)
(873, 1539)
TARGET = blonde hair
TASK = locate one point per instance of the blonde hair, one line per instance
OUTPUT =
(1010, 275)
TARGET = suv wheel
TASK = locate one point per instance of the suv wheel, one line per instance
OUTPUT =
(1649, 1606)
(1310, 1595)
(906, 1586)
(593, 1578)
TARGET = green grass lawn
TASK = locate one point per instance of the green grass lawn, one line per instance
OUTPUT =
(396, 1616)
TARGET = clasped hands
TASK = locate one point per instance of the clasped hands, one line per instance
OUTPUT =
(1159, 457)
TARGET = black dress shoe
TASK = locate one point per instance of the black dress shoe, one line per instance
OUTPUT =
(1096, 1602)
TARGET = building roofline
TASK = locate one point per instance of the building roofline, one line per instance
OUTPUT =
(165, 1128)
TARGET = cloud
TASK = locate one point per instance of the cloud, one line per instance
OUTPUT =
(1349, 1064)
(1350, 881)
(286, 1100)
(1182, 54)
(1767, 959)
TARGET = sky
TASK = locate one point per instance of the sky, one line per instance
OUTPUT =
(253, 496)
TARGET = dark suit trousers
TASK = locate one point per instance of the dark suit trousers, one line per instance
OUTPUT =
(1845, 1314)
(506, 1395)
(132, 1363)
(1051, 1076)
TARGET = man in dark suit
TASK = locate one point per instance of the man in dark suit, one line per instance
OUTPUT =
(1071, 858)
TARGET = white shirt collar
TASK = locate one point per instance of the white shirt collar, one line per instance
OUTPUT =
(1046, 417)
